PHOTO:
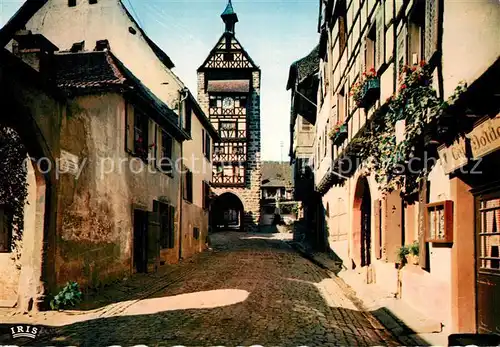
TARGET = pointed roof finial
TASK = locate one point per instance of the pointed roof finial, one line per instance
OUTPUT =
(229, 17)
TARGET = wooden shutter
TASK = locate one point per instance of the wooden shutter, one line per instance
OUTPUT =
(171, 238)
(152, 131)
(362, 56)
(431, 37)
(159, 146)
(153, 239)
(378, 229)
(380, 38)
(422, 211)
(401, 51)
(129, 128)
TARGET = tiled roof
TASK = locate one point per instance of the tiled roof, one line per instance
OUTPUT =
(87, 70)
(276, 174)
(228, 86)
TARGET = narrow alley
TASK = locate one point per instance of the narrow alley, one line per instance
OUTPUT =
(249, 289)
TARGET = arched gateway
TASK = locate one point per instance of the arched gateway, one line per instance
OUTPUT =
(227, 213)
(362, 224)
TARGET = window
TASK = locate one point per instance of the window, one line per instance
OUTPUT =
(342, 12)
(206, 195)
(187, 115)
(71, 3)
(5, 229)
(92, 2)
(196, 233)
(370, 48)
(166, 152)
(416, 34)
(227, 129)
(188, 185)
(207, 144)
(167, 224)
(228, 56)
(141, 135)
(341, 110)
(325, 139)
(213, 101)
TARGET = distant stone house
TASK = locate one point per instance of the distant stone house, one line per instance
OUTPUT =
(276, 182)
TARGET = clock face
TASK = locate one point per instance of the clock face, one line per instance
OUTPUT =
(228, 102)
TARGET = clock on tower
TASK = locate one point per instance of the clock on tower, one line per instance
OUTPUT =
(228, 102)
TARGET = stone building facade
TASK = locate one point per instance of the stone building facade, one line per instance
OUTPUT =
(229, 93)
(383, 169)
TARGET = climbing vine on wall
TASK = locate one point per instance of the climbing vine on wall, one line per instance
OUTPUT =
(13, 184)
(416, 102)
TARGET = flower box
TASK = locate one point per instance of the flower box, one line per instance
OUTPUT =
(370, 92)
(340, 135)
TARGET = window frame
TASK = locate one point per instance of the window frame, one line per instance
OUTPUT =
(187, 194)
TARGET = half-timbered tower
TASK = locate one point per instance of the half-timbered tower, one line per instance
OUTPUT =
(229, 92)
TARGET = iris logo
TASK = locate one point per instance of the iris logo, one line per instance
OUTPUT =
(24, 331)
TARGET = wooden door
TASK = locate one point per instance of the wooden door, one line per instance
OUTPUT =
(488, 262)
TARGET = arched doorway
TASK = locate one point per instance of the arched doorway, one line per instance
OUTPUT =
(362, 223)
(227, 213)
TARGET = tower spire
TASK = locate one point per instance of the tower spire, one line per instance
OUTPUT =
(229, 17)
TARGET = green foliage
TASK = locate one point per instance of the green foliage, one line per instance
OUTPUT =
(69, 296)
(417, 103)
(402, 253)
(13, 184)
(414, 249)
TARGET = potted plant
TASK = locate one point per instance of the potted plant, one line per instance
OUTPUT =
(402, 254)
(413, 250)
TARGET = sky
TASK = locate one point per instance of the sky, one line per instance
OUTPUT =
(275, 33)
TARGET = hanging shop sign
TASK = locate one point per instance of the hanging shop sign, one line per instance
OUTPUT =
(485, 138)
(454, 156)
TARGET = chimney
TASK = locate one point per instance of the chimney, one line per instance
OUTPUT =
(34, 49)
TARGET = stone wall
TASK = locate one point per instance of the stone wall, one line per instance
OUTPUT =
(250, 195)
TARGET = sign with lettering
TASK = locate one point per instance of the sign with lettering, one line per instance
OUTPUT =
(68, 163)
(454, 156)
(485, 138)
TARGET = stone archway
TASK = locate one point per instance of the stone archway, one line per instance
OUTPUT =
(227, 213)
(361, 227)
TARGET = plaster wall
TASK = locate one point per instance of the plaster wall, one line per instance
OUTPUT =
(95, 233)
(476, 25)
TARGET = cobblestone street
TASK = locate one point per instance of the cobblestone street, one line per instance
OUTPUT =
(248, 290)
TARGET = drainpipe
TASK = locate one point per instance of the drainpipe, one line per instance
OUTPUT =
(184, 96)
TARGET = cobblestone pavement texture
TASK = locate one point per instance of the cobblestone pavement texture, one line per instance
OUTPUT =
(250, 289)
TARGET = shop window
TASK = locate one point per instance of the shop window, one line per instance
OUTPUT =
(489, 235)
